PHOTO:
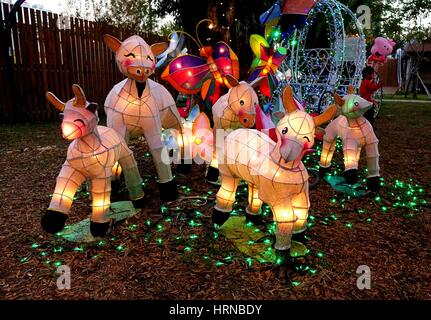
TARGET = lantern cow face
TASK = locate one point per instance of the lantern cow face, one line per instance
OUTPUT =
(352, 105)
(295, 131)
(79, 116)
(135, 58)
(243, 100)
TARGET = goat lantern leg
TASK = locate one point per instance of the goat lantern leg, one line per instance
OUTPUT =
(274, 172)
(93, 153)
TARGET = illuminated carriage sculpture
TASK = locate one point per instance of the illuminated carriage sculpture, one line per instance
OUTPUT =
(315, 73)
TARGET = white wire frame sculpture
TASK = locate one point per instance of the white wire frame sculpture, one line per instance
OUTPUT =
(315, 73)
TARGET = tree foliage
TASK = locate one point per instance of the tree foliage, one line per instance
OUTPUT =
(136, 15)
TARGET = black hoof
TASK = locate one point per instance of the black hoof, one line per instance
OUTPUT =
(184, 168)
(324, 171)
(283, 262)
(53, 221)
(115, 187)
(212, 174)
(99, 229)
(168, 191)
(299, 237)
(351, 176)
(256, 219)
(139, 203)
(373, 184)
(220, 217)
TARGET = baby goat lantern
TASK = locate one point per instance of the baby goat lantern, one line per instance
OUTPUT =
(356, 133)
(274, 172)
(139, 106)
(236, 109)
(93, 153)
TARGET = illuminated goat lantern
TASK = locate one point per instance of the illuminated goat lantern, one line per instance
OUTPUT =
(356, 133)
(236, 109)
(139, 106)
(274, 171)
(91, 156)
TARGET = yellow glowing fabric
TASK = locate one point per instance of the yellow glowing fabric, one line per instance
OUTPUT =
(355, 133)
(91, 156)
(274, 171)
(132, 114)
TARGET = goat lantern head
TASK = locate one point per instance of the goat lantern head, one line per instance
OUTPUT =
(352, 105)
(79, 116)
(135, 58)
(295, 131)
(243, 100)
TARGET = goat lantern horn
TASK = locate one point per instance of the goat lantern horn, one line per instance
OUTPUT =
(350, 89)
(326, 116)
(288, 102)
(57, 103)
(80, 100)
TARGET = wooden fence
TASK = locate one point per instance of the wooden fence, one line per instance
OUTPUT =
(37, 56)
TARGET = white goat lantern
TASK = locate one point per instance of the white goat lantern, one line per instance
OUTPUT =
(274, 172)
(236, 109)
(139, 106)
(91, 156)
(356, 133)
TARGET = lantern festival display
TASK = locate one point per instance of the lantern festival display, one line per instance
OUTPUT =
(206, 74)
(93, 153)
(139, 106)
(236, 109)
(274, 172)
(356, 133)
(266, 61)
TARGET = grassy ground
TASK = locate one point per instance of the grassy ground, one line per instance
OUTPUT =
(178, 256)
(410, 96)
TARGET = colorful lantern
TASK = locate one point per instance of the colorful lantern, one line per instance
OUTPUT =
(274, 171)
(266, 61)
(94, 152)
(381, 48)
(139, 106)
(356, 133)
(197, 138)
(174, 49)
(236, 109)
(190, 74)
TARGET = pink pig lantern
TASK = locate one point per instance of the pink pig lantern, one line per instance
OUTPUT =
(381, 48)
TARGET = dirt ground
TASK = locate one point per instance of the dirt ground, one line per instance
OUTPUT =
(177, 255)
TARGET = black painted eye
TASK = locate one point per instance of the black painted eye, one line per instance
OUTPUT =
(356, 104)
(305, 137)
(284, 131)
(130, 55)
(241, 102)
(245, 120)
(149, 58)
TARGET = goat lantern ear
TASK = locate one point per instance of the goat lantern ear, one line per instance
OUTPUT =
(326, 116)
(158, 48)
(80, 100)
(338, 100)
(201, 122)
(256, 82)
(288, 102)
(57, 103)
(112, 42)
(231, 81)
(92, 107)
